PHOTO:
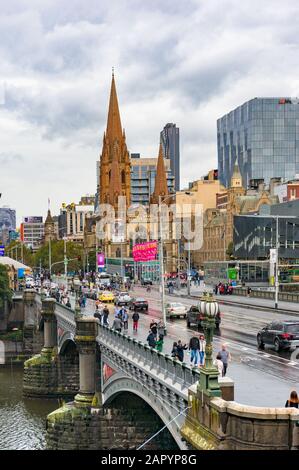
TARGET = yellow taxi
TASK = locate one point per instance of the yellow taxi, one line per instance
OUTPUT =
(106, 296)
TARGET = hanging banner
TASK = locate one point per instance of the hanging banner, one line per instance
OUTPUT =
(145, 251)
(101, 260)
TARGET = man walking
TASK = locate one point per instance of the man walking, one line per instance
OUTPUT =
(225, 357)
(202, 350)
(117, 324)
(194, 348)
(125, 318)
(135, 318)
(105, 314)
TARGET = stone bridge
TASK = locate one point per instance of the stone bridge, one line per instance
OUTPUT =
(103, 370)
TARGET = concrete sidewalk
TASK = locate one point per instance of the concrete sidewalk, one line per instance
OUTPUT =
(251, 302)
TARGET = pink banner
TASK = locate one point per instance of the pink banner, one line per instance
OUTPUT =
(101, 260)
(145, 251)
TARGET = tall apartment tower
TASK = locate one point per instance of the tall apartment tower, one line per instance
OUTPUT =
(170, 141)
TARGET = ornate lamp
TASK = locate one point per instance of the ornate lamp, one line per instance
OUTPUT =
(209, 373)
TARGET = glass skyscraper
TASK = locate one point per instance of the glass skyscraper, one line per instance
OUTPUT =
(262, 135)
(170, 140)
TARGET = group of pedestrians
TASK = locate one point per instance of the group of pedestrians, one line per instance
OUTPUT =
(155, 338)
(120, 320)
(197, 350)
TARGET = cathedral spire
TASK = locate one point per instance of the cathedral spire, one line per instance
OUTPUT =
(161, 188)
(114, 129)
(115, 182)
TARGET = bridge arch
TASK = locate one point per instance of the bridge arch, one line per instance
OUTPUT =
(66, 342)
(119, 384)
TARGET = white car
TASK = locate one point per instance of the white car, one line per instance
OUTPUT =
(176, 309)
(123, 298)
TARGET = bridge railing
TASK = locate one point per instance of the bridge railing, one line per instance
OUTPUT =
(162, 365)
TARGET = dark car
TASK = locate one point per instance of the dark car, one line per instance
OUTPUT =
(139, 304)
(280, 334)
(146, 281)
(195, 317)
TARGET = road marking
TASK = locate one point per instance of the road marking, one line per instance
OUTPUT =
(292, 363)
(245, 349)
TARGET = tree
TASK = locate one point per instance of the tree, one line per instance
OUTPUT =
(74, 250)
(5, 291)
(15, 248)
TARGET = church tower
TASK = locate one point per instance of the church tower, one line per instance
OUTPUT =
(161, 188)
(115, 165)
(49, 229)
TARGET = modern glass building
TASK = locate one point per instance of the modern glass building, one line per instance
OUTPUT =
(143, 175)
(262, 135)
(170, 140)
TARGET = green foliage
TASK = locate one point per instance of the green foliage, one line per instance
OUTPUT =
(74, 250)
(5, 291)
(14, 250)
(12, 336)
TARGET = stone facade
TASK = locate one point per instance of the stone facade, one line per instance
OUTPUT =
(124, 424)
(216, 424)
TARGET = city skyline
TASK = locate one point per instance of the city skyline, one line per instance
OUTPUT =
(54, 89)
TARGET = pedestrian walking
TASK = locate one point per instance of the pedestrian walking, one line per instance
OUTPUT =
(105, 313)
(161, 328)
(194, 348)
(117, 324)
(225, 358)
(293, 401)
(154, 328)
(125, 319)
(135, 318)
(151, 339)
(180, 350)
(159, 343)
(219, 364)
(202, 350)
(174, 352)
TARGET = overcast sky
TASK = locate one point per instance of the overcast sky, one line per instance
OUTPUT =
(181, 61)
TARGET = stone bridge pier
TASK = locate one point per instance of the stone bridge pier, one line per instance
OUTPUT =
(49, 374)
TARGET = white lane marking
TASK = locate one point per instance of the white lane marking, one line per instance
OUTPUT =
(266, 355)
(245, 349)
(292, 363)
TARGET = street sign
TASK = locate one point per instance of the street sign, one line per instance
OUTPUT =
(2, 250)
(273, 255)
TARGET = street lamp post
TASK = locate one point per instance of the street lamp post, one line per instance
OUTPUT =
(162, 266)
(189, 269)
(209, 373)
(161, 254)
(276, 265)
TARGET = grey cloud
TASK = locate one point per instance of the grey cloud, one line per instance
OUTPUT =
(8, 159)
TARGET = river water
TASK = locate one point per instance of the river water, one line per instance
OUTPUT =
(22, 421)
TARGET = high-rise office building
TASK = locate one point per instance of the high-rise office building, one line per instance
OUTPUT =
(262, 136)
(32, 231)
(170, 140)
(7, 224)
(143, 176)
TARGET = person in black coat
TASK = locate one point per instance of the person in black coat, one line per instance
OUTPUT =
(180, 350)
(151, 339)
